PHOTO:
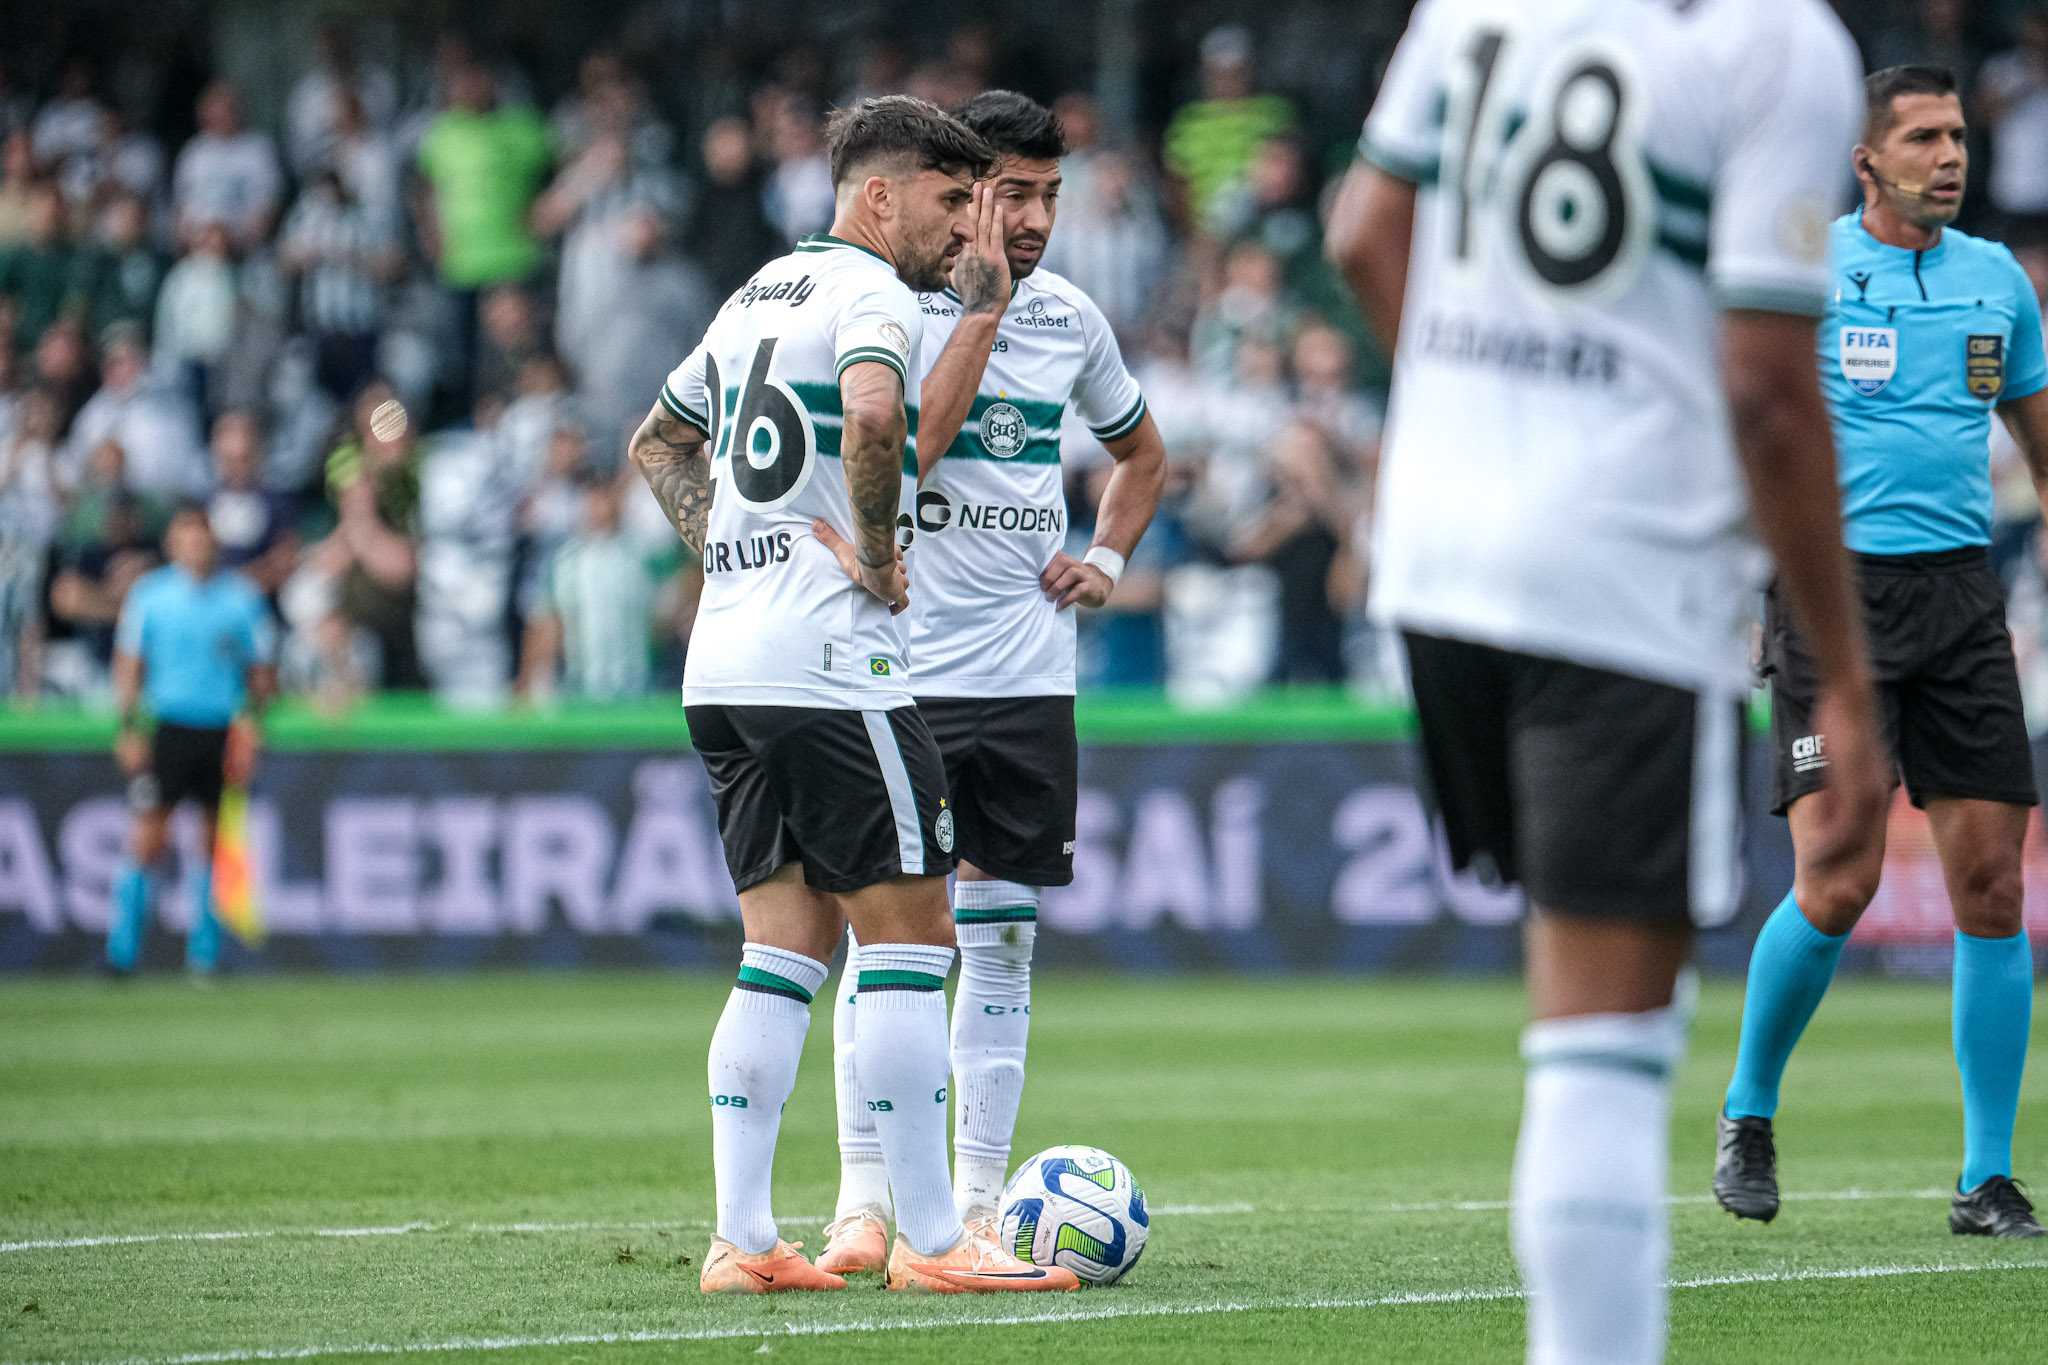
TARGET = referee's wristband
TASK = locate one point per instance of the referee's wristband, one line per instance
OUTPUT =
(1107, 560)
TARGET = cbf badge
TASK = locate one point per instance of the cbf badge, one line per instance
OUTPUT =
(1984, 366)
(1870, 357)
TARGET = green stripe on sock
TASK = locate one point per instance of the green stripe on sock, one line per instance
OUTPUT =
(755, 979)
(1605, 1061)
(1001, 914)
(901, 981)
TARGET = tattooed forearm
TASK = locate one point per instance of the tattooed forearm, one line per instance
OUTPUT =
(669, 453)
(872, 455)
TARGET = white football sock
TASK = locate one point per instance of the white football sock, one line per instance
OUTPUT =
(1590, 1226)
(996, 923)
(754, 1055)
(863, 1179)
(900, 1052)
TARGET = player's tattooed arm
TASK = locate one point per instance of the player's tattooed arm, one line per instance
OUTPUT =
(871, 454)
(981, 277)
(669, 453)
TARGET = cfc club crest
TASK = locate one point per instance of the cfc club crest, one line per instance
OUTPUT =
(942, 829)
(1870, 357)
(1984, 366)
(1002, 430)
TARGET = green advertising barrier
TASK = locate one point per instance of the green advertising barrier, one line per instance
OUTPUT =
(417, 723)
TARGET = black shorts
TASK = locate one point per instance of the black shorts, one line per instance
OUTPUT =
(857, 797)
(1948, 688)
(1010, 769)
(1599, 793)
(186, 762)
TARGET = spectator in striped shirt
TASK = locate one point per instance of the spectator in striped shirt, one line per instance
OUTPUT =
(343, 262)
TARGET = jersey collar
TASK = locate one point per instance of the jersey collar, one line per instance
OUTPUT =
(1928, 255)
(825, 241)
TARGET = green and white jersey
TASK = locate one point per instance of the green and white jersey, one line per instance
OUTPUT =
(993, 511)
(780, 623)
(1596, 180)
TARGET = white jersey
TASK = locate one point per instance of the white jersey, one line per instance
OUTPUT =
(780, 623)
(1597, 178)
(993, 510)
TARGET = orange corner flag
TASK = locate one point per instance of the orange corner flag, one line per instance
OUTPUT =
(235, 902)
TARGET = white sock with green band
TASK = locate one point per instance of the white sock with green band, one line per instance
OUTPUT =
(863, 1179)
(899, 1046)
(1590, 1227)
(754, 1055)
(996, 923)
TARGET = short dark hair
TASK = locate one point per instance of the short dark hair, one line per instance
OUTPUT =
(1880, 88)
(906, 129)
(1015, 125)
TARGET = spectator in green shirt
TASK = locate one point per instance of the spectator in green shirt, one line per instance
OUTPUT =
(1211, 142)
(36, 275)
(484, 164)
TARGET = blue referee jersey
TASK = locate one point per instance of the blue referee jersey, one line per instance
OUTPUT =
(1916, 350)
(197, 639)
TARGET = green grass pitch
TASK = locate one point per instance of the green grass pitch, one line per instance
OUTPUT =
(516, 1168)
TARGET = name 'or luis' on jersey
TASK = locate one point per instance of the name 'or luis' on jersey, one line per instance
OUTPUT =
(1917, 349)
(779, 623)
(197, 640)
(993, 510)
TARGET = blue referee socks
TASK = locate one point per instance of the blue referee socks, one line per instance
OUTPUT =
(1789, 971)
(202, 946)
(1993, 1009)
(132, 894)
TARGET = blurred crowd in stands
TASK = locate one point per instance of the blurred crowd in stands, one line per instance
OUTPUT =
(395, 338)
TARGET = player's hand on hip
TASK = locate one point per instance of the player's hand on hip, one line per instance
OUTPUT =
(1852, 805)
(245, 742)
(1068, 582)
(890, 581)
(981, 275)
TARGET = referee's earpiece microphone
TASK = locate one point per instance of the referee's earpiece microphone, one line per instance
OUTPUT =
(1912, 191)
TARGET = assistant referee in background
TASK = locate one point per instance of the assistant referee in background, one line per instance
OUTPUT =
(1930, 331)
(197, 642)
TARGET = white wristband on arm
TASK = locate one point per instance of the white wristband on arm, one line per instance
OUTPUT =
(1107, 560)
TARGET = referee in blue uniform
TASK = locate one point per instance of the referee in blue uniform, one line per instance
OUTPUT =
(197, 641)
(1930, 331)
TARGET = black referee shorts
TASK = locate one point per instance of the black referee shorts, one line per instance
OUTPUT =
(1948, 688)
(186, 762)
(857, 797)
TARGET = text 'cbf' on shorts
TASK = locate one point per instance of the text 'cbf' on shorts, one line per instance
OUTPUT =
(1948, 689)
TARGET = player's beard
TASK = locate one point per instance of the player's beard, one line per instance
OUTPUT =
(929, 268)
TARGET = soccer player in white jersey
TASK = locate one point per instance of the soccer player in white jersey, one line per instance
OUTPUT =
(830, 792)
(1595, 235)
(992, 638)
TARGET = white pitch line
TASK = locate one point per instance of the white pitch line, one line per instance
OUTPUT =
(860, 1326)
(805, 1220)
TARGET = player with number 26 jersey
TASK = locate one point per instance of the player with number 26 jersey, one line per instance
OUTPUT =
(780, 624)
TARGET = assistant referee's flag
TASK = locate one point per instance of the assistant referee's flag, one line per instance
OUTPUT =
(234, 874)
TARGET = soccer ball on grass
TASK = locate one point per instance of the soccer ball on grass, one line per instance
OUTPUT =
(1076, 1207)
